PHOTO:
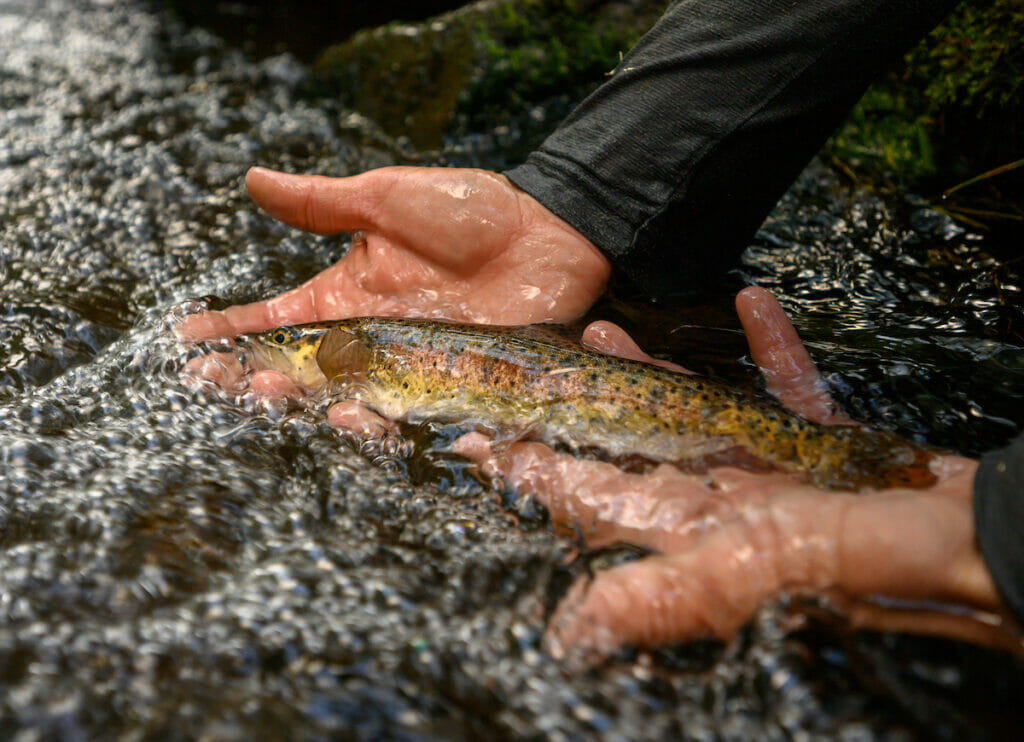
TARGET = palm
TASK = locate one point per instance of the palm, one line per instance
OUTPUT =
(729, 539)
(458, 244)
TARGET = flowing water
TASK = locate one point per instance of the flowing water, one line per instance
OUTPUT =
(178, 563)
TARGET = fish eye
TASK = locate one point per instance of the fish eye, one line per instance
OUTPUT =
(280, 337)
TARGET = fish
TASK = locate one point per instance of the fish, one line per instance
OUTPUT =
(535, 382)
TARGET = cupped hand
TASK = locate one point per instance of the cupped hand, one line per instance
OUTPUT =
(449, 243)
(728, 540)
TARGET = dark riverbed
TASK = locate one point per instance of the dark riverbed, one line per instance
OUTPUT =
(180, 564)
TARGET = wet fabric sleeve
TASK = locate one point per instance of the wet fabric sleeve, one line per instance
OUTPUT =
(999, 521)
(671, 165)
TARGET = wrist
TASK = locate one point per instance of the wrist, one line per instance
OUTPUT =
(998, 511)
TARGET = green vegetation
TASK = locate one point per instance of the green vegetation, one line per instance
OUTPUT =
(481, 65)
(975, 60)
(536, 49)
(952, 110)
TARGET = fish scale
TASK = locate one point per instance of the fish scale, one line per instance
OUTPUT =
(535, 382)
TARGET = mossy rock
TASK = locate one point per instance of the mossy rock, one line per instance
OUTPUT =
(951, 110)
(475, 65)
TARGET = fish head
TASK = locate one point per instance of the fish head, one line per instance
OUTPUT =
(291, 351)
(311, 355)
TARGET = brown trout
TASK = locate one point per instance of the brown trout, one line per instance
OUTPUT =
(532, 382)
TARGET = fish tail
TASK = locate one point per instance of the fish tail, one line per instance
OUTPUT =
(884, 461)
(914, 473)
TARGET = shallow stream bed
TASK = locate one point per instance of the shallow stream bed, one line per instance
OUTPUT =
(180, 564)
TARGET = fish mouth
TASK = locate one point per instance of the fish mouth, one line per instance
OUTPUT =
(260, 356)
(299, 367)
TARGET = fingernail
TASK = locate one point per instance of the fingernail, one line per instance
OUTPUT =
(263, 172)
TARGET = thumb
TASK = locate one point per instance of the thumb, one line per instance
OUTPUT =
(317, 203)
(658, 600)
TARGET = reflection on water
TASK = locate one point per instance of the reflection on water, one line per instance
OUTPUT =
(917, 324)
(177, 564)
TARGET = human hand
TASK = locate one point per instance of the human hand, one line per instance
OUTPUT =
(728, 540)
(429, 242)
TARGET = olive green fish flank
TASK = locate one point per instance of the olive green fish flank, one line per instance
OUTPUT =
(534, 381)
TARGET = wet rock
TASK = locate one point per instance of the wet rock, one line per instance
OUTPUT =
(422, 81)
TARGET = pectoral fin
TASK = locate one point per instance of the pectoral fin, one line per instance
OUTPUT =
(342, 354)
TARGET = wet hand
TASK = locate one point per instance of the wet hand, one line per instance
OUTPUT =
(728, 540)
(432, 242)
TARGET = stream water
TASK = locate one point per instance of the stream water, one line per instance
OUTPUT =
(180, 564)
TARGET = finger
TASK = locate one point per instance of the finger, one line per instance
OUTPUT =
(712, 587)
(988, 629)
(294, 307)
(205, 325)
(660, 600)
(223, 369)
(317, 203)
(355, 418)
(475, 446)
(610, 339)
(274, 384)
(327, 296)
(664, 510)
(555, 479)
(291, 308)
(788, 369)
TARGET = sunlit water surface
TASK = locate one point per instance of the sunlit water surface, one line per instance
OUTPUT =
(180, 563)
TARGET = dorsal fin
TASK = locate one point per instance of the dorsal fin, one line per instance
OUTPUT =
(341, 353)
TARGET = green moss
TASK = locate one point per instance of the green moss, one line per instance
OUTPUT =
(952, 109)
(975, 60)
(540, 48)
(406, 78)
(481, 65)
(887, 132)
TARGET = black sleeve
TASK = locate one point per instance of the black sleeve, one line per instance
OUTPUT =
(672, 164)
(999, 520)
